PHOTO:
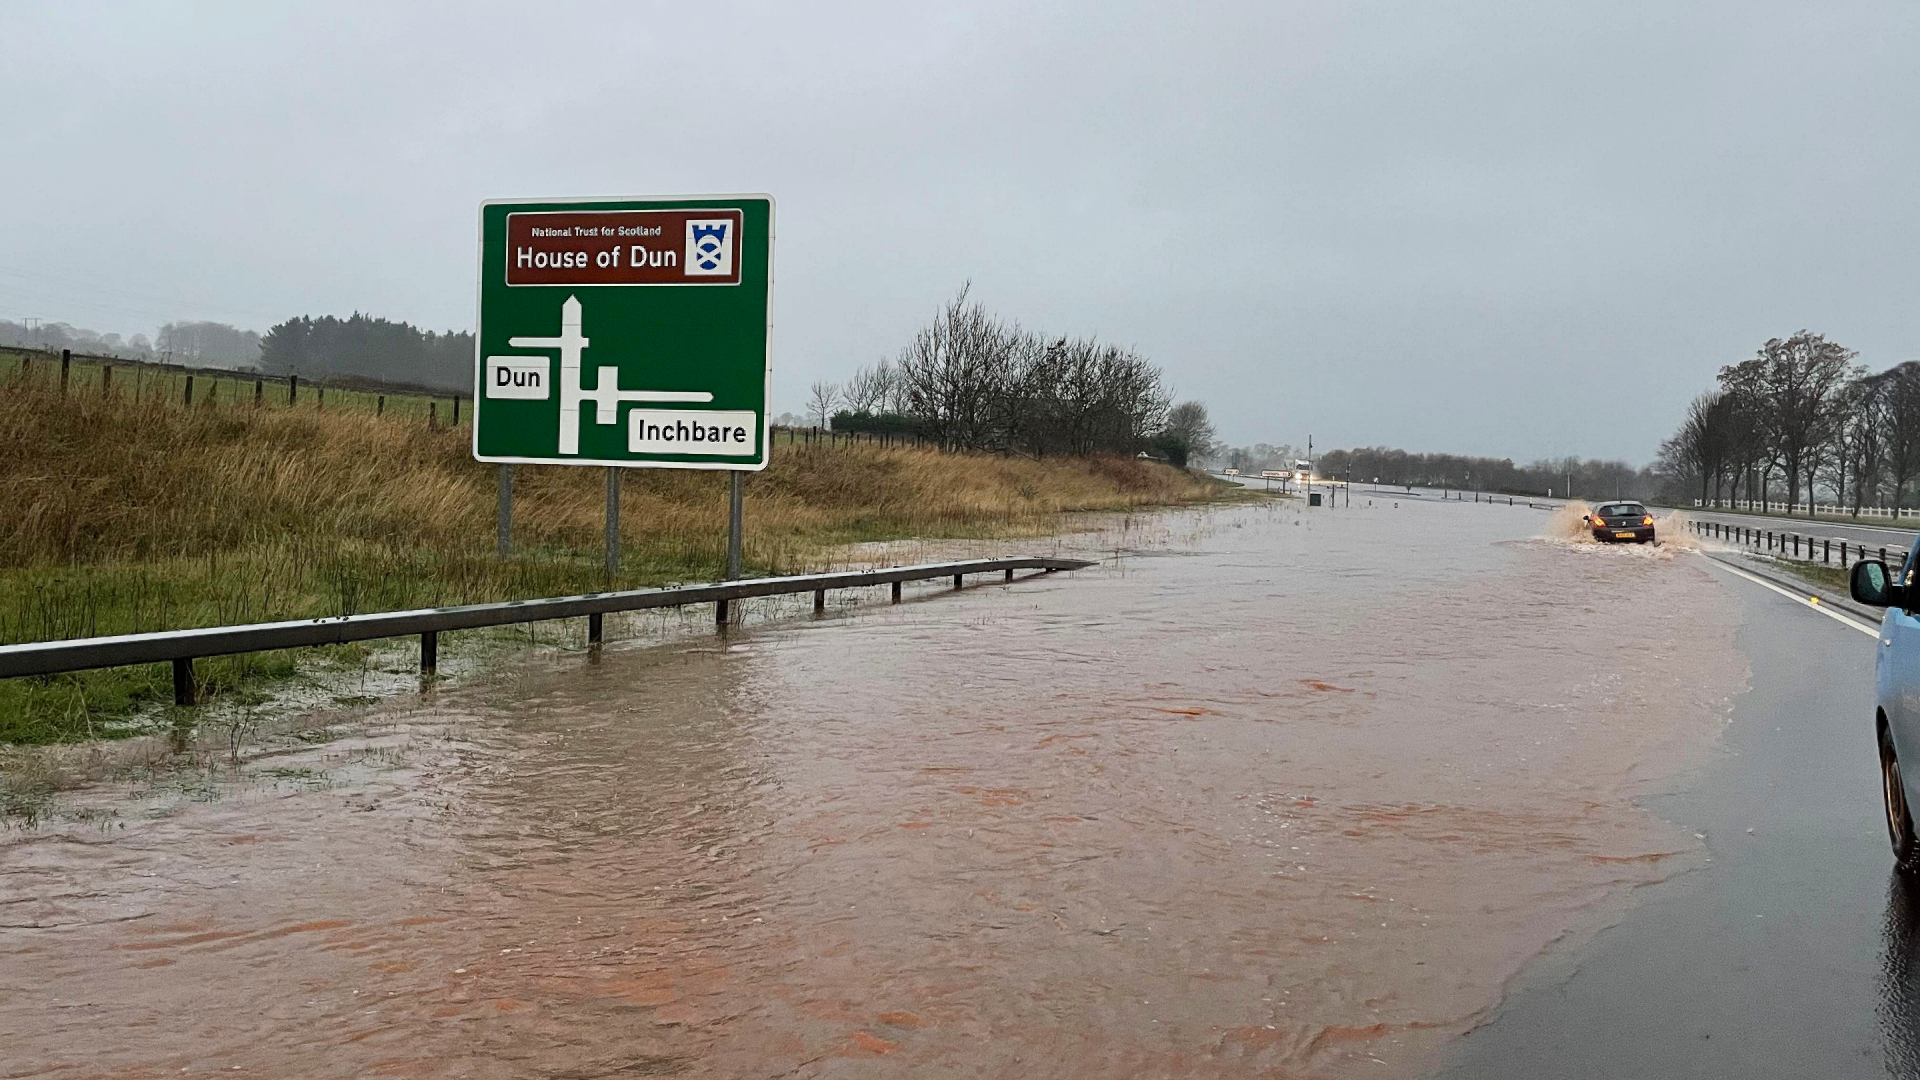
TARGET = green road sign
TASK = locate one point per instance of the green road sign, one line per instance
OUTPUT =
(625, 332)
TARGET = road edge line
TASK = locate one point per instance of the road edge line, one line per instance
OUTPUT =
(1805, 601)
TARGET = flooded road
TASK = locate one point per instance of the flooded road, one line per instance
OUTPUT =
(1271, 792)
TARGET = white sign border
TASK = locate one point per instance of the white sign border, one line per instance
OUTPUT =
(479, 363)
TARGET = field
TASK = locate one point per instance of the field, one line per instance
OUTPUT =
(120, 515)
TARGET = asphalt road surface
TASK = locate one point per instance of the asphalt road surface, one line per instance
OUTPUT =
(1794, 952)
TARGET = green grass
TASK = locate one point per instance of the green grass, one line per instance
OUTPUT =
(1831, 578)
(137, 382)
(286, 581)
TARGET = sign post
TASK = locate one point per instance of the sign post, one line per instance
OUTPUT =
(625, 333)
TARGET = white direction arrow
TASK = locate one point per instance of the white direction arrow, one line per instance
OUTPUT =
(606, 396)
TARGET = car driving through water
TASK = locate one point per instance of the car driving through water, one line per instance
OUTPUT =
(1896, 718)
(1621, 521)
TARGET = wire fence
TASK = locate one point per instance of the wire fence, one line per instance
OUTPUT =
(189, 387)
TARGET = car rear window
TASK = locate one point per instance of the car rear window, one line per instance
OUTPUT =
(1621, 509)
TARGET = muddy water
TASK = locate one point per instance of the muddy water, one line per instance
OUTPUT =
(1266, 794)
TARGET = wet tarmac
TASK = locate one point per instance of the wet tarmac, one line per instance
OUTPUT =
(1795, 952)
(1269, 793)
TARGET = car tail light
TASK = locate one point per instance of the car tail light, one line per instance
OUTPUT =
(1648, 520)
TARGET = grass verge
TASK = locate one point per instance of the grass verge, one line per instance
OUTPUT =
(123, 516)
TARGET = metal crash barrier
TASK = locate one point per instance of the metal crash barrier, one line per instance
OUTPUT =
(182, 647)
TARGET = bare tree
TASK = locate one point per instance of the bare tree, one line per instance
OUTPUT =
(820, 404)
(871, 389)
(1188, 423)
(957, 375)
(1688, 456)
(1802, 377)
(1900, 400)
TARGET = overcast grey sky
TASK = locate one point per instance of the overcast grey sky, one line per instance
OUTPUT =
(1517, 229)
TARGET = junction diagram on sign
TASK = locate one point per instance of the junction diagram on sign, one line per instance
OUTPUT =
(521, 377)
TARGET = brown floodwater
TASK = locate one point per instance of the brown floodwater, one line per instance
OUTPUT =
(1269, 793)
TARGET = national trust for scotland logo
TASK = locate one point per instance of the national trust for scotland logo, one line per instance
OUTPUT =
(710, 244)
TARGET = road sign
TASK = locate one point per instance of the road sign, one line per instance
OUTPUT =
(625, 332)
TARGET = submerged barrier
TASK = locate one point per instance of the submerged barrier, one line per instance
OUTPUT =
(182, 647)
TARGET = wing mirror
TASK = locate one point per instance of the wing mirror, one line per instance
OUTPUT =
(1870, 583)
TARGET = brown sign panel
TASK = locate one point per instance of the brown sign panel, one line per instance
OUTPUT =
(624, 247)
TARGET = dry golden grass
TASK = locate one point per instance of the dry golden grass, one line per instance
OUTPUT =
(89, 480)
(118, 517)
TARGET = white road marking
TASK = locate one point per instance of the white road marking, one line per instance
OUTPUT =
(1810, 601)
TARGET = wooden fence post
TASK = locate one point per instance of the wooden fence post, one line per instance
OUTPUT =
(189, 395)
(66, 364)
(106, 381)
(293, 388)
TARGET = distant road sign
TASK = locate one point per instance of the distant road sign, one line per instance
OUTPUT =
(625, 332)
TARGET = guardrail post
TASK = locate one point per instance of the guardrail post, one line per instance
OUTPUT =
(720, 613)
(1009, 573)
(819, 600)
(596, 629)
(1826, 551)
(66, 364)
(183, 688)
(429, 654)
(896, 592)
(1883, 554)
(956, 580)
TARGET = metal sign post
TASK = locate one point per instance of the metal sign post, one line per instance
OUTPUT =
(503, 520)
(625, 333)
(736, 498)
(613, 521)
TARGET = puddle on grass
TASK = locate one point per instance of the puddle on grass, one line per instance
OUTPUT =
(1299, 803)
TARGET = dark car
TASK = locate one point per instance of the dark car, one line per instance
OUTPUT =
(1621, 521)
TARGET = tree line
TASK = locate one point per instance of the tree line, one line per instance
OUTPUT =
(1578, 477)
(1800, 419)
(196, 343)
(366, 347)
(970, 380)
